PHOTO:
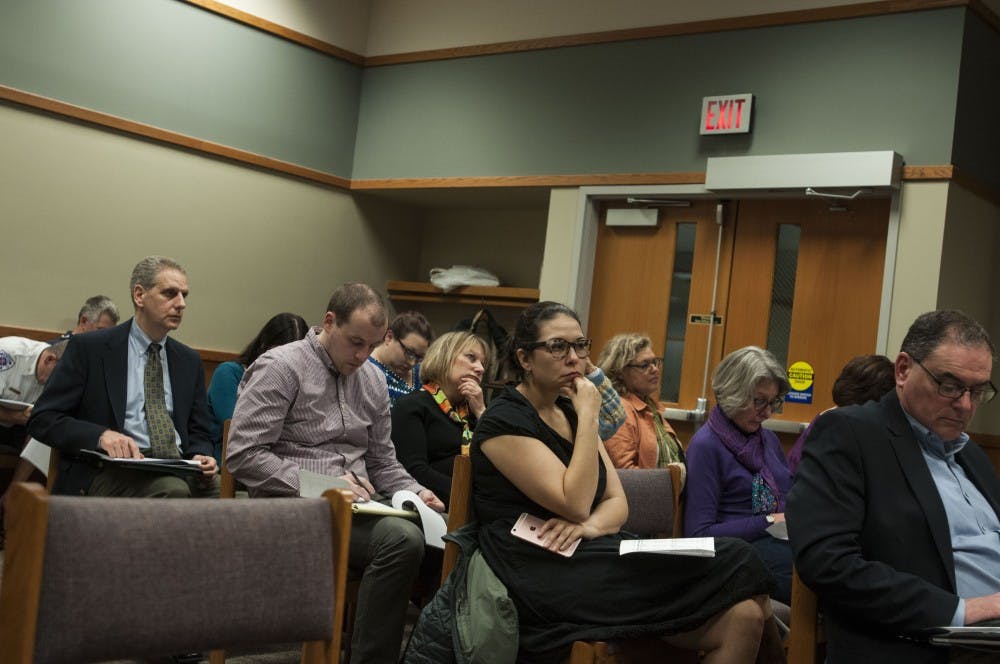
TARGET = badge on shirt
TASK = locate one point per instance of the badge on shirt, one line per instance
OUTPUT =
(6, 361)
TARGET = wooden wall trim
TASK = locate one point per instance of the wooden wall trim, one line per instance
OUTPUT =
(676, 29)
(277, 30)
(208, 356)
(90, 116)
(941, 172)
(774, 19)
(529, 181)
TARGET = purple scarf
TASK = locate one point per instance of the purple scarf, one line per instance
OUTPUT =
(749, 451)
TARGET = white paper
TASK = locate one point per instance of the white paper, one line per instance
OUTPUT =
(13, 404)
(778, 530)
(312, 485)
(38, 455)
(433, 522)
(703, 547)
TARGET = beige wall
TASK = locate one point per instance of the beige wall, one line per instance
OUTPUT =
(79, 206)
(969, 274)
(923, 206)
(559, 262)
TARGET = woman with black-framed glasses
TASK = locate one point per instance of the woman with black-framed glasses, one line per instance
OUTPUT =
(738, 476)
(536, 450)
(645, 440)
(402, 351)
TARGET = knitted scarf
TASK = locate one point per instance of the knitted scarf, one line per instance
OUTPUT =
(748, 449)
(459, 415)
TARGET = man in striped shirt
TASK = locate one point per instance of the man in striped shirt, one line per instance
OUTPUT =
(319, 405)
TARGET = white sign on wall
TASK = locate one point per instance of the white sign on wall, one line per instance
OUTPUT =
(726, 114)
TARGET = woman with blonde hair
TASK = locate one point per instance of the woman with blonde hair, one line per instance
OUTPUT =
(645, 440)
(430, 425)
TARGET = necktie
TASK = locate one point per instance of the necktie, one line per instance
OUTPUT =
(161, 427)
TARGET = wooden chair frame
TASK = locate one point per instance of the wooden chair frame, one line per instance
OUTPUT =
(806, 633)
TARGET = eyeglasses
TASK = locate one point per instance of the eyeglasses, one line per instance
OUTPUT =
(559, 348)
(950, 389)
(656, 363)
(776, 404)
(409, 354)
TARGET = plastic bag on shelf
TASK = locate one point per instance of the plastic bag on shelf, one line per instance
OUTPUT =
(462, 275)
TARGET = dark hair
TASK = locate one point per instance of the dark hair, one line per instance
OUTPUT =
(353, 296)
(280, 330)
(410, 322)
(526, 331)
(934, 328)
(864, 378)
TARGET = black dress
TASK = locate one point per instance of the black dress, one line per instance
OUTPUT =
(595, 594)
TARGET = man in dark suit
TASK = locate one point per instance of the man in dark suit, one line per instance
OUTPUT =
(893, 516)
(129, 391)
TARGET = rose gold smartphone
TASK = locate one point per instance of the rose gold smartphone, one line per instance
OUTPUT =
(527, 528)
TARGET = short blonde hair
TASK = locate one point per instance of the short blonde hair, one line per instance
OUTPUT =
(442, 353)
(618, 353)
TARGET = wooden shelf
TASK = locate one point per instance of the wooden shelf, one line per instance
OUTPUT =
(493, 296)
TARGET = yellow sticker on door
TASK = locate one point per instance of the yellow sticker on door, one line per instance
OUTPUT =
(801, 380)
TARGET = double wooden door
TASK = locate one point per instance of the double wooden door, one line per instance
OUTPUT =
(800, 277)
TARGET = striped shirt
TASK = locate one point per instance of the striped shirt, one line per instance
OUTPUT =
(295, 410)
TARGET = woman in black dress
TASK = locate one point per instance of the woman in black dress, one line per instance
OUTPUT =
(536, 450)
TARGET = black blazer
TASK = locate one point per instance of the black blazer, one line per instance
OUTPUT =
(870, 533)
(85, 396)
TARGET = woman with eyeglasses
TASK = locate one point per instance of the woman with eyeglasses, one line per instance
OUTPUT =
(430, 425)
(401, 353)
(737, 473)
(536, 450)
(645, 440)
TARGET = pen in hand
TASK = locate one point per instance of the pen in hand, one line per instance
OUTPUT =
(357, 498)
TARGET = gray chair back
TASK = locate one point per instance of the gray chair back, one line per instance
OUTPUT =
(125, 578)
(653, 509)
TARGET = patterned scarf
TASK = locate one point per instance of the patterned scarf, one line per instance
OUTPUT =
(666, 440)
(459, 415)
(748, 449)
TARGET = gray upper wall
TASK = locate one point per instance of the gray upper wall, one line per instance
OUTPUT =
(879, 83)
(876, 83)
(174, 66)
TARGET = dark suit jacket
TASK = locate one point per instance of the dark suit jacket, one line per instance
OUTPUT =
(85, 396)
(870, 532)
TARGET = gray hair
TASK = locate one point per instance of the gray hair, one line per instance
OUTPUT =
(617, 353)
(740, 372)
(145, 271)
(97, 306)
(57, 348)
(934, 328)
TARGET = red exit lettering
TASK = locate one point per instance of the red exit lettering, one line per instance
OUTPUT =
(724, 114)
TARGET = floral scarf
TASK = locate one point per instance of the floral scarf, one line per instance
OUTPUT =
(459, 415)
(748, 449)
(666, 440)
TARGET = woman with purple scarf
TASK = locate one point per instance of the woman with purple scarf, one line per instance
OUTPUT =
(737, 473)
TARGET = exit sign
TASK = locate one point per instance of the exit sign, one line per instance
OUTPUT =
(726, 114)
